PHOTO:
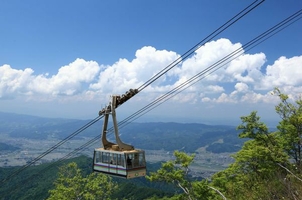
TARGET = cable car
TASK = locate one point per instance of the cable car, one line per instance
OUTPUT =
(125, 164)
(120, 159)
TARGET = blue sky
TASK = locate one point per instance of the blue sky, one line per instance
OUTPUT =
(65, 58)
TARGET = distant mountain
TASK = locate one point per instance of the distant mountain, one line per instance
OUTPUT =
(154, 136)
(33, 127)
(177, 136)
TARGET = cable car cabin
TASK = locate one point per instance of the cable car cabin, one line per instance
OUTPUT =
(118, 159)
(124, 164)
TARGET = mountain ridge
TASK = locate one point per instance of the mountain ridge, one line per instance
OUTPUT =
(168, 136)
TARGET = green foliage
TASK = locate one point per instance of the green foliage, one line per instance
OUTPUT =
(72, 185)
(290, 127)
(34, 182)
(173, 171)
(252, 127)
(263, 152)
(175, 197)
(177, 173)
(262, 169)
(130, 189)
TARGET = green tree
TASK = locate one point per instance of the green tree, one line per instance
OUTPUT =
(262, 169)
(72, 185)
(290, 127)
(177, 172)
(267, 167)
(263, 152)
(255, 163)
(255, 174)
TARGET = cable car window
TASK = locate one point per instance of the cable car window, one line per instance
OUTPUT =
(141, 159)
(136, 160)
(120, 160)
(129, 160)
(105, 157)
(113, 159)
(98, 157)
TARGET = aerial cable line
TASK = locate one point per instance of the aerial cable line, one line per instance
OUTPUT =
(217, 65)
(214, 67)
(235, 54)
(183, 57)
(256, 41)
(52, 164)
(150, 81)
(202, 42)
(190, 52)
(209, 70)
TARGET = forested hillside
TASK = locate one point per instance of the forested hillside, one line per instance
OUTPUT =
(36, 181)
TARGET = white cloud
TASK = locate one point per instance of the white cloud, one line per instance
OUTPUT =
(205, 99)
(283, 73)
(125, 74)
(224, 98)
(68, 80)
(203, 58)
(213, 89)
(13, 81)
(240, 81)
(241, 87)
(246, 68)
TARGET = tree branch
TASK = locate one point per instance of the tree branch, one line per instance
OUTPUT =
(185, 190)
(289, 172)
(218, 192)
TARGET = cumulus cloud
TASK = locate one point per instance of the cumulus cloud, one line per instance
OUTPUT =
(205, 57)
(124, 74)
(205, 99)
(244, 79)
(241, 87)
(283, 73)
(223, 98)
(68, 80)
(13, 81)
(246, 68)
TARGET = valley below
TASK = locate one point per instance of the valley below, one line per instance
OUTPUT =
(205, 163)
(25, 138)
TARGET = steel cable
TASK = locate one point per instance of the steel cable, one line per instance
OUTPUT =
(150, 81)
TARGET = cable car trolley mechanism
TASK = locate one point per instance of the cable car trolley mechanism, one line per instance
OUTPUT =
(120, 159)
